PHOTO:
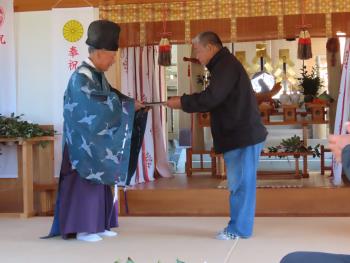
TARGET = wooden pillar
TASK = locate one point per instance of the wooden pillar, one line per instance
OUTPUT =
(27, 179)
(305, 135)
(221, 173)
(297, 166)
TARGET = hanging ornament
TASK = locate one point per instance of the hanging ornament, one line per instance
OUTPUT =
(164, 56)
(192, 60)
(304, 41)
(304, 45)
(333, 47)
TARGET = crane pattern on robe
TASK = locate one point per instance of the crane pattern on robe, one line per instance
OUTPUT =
(108, 131)
(109, 103)
(70, 106)
(97, 127)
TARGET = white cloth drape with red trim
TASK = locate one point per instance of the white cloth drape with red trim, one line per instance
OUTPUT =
(343, 108)
(143, 79)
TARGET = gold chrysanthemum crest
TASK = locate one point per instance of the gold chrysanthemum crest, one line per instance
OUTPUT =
(73, 31)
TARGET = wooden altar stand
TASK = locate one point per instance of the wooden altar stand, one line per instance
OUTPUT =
(26, 169)
(290, 117)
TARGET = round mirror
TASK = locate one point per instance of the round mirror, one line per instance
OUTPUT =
(262, 82)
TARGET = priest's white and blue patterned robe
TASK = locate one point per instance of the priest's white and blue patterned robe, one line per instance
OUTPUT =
(98, 124)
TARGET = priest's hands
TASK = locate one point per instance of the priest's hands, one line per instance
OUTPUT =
(338, 142)
(139, 105)
(174, 102)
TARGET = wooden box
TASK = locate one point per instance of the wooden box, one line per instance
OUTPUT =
(290, 113)
(265, 111)
(318, 112)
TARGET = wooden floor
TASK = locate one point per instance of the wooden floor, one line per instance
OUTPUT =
(199, 195)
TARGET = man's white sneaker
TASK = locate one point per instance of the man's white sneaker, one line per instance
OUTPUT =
(88, 237)
(107, 233)
(224, 235)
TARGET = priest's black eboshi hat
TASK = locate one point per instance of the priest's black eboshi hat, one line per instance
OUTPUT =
(103, 34)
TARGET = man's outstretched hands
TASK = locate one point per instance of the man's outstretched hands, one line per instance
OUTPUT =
(174, 102)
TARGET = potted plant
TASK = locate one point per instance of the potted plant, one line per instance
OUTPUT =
(310, 83)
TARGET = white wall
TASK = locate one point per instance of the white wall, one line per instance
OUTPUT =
(33, 54)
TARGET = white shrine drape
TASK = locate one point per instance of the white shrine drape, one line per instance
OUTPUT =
(143, 79)
(343, 107)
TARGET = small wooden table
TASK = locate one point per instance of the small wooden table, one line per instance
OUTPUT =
(204, 121)
(296, 156)
(27, 169)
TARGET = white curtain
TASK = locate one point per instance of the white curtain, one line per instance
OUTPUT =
(143, 79)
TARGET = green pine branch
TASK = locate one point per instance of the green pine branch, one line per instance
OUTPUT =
(294, 145)
(14, 127)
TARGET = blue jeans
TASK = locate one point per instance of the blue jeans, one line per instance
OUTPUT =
(315, 257)
(241, 166)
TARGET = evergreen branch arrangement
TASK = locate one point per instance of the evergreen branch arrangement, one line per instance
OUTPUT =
(129, 260)
(294, 145)
(311, 83)
(14, 127)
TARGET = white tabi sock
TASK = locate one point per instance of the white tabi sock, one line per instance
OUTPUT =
(88, 237)
(107, 233)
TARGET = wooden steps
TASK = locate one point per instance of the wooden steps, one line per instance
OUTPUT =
(196, 196)
(313, 201)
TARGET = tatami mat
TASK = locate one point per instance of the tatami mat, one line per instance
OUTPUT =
(149, 239)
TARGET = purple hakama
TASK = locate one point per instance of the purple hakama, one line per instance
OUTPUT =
(83, 206)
